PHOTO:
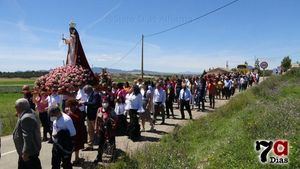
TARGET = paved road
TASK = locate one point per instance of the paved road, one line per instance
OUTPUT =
(9, 156)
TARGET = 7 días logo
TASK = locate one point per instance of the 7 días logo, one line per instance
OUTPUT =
(280, 151)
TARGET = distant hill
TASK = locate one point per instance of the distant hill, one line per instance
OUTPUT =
(99, 69)
(38, 73)
(136, 71)
(23, 74)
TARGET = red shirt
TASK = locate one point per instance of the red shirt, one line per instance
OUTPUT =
(211, 88)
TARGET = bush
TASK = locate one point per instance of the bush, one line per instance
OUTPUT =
(286, 63)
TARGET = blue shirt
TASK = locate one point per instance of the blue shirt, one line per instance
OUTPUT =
(227, 83)
(159, 96)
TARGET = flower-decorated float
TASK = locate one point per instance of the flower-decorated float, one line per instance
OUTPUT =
(76, 73)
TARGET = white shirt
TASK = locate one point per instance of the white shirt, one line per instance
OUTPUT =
(142, 92)
(159, 96)
(242, 80)
(127, 102)
(82, 97)
(145, 93)
(185, 94)
(188, 83)
(87, 100)
(120, 109)
(53, 100)
(136, 102)
(63, 123)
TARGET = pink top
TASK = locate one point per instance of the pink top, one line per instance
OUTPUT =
(41, 104)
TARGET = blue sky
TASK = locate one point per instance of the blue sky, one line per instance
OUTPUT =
(30, 33)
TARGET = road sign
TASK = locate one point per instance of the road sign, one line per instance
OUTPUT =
(263, 65)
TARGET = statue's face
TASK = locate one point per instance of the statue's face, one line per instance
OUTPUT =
(72, 31)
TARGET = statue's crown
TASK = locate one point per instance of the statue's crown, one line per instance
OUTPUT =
(72, 24)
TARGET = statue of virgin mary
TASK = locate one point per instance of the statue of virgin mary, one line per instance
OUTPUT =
(76, 55)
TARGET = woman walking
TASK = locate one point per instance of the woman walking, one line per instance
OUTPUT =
(41, 105)
(77, 117)
(135, 105)
(147, 106)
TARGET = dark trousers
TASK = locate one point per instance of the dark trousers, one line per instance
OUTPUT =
(45, 123)
(212, 100)
(33, 163)
(50, 127)
(169, 107)
(232, 91)
(133, 130)
(223, 93)
(63, 105)
(59, 156)
(200, 102)
(159, 108)
(102, 140)
(185, 104)
(244, 86)
(133, 117)
(227, 92)
(121, 125)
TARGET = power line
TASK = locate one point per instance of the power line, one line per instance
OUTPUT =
(192, 20)
(123, 57)
(174, 27)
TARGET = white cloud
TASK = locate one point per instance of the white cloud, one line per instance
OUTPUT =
(107, 57)
(91, 25)
(24, 27)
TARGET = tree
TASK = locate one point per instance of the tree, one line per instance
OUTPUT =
(286, 63)
(234, 69)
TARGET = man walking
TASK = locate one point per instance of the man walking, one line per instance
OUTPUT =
(227, 87)
(63, 136)
(159, 99)
(170, 99)
(185, 97)
(92, 104)
(211, 92)
(27, 136)
(28, 96)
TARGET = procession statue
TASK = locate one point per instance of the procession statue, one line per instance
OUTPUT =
(75, 55)
(75, 74)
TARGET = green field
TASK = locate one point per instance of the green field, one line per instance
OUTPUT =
(10, 91)
(226, 138)
(15, 81)
(14, 85)
(7, 112)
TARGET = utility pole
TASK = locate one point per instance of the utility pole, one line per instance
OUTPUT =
(142, 60)
(227, 64)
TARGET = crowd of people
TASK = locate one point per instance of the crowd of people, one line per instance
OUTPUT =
(96, 115)
(87, 116)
